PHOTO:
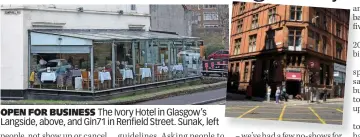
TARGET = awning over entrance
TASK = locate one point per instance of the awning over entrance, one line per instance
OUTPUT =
(293, 76)
(98, 35)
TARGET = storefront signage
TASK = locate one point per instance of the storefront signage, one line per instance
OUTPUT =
(340, 68)
(293, 76)
(12, 12)
(293, 69)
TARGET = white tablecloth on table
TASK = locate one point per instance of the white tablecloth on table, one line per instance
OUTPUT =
(104, 76)
(145, 72)
(48, 76)
(178, 67)
(163, 68)
(76, 73)
(127, 73)
(78, 83)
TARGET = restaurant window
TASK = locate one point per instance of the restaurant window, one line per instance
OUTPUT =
(246, 72)
(237, 46)
(324, 45)
(272, 15)
(317, 41)
(252, 43)
(133, 7)
(295, 13)
(232, 68)
(321, 74)
(239, 26)
(255, 21)
(252, 70)
(338, 30)
(270, 39)
(338, 50)
(294, 40)
(242, 7)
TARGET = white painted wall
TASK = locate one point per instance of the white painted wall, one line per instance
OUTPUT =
(79, 20)
(14, 31)
(13, 53)
(140, 8)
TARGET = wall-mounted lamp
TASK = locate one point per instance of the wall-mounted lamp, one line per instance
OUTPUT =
(80, 9)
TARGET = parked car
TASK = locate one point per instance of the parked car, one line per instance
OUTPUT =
(221, 54)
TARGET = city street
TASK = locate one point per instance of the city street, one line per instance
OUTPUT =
(327, 113)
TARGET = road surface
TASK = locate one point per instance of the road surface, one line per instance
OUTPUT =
(327, 113)
(190, 98)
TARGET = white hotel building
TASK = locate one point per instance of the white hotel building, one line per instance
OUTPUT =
(30, 31)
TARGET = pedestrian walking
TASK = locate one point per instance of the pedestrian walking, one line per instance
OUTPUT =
(284, 94)
(325, 95)
(268, 93)
(277, 95)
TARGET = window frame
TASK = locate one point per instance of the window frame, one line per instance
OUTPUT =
(272, 15)
(256, 5)
(240, 24)
(317, 42)
(296, 10)
(294, 34)
(242, 7)
(237, 46)
(324, 45)
(246, 71)
(211, 16)
(270, 40)
(339, 48)
(252, 43)
(132, 7)
(338, 30)
(255, 21)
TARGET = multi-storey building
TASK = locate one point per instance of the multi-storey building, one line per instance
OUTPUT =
(210, 20)
(171, 18)
(291, 46)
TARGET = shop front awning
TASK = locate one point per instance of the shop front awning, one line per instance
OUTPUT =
(100, 35)
(79, 40)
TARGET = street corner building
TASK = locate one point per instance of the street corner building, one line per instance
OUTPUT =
(72, 52)
(297, 47)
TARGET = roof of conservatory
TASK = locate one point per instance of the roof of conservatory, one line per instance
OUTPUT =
(110, 35)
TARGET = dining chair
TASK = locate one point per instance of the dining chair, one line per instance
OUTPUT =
(157, 73)
(96, 80)
(119, 78)
(85, 79)
(68, 80)
(37, 80)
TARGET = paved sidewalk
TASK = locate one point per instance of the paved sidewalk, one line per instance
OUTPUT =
(290, 101)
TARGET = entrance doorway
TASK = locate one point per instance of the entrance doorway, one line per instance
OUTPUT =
(293, 87)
